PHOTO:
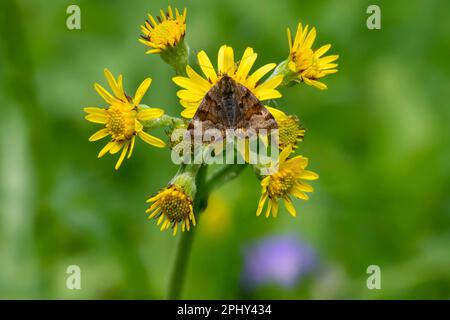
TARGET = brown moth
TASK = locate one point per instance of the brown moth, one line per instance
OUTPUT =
(230, 105)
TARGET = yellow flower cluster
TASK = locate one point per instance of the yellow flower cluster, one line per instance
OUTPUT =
(125, 118)
(164, 32)
(309, 65)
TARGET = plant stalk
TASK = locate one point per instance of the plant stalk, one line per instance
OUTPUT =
(185, 242)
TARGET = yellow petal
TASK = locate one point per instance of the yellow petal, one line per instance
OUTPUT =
(277, 113)
(149, 114)
(154, 213)
(258, 74)
(154, 198)
(297, 162)
(298, 37)
(138, 127)
(192, 217)
(310, 39)
(146, 42)
(151, 139)
(185, 83)
(152, 20)
(120, 86)
(318, 84)
(96, 118)
(225, 60)
(106, 149)
(175, 229)
(188, 112)
(170, 12)
(269, 84)
(99, 134)
(162, 15)
(113, 84)
(309, 175)
(289, 206)
(325, 72)
(190, 95)
(261, 203)
(328, 59)
(303, 186)
(328, 66)
(122, 155)
(190, 104)
(269, 208)
(141, 91)
(302, 37)
(268, 94)
(188, 227)
(153, 51)
(246, 63)
(104, 94)
(153, 206)
(133, 140)
(116, 147)
(289, 36)
(284, 154)
(296, 192)
(206, 66)
(322, 50)
(198, 80)
(274, 208)
(265, 181)
(95, 110)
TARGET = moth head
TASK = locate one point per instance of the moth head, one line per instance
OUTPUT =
(226, 85)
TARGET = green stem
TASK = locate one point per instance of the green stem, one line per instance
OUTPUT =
(163, 121)
(185, 243)
(289, 77)
(177, 57)
(204, 188)
(224, 175)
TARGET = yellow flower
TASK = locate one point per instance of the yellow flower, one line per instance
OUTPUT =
(172, 206)
(122, 119)
(289, 129)
(196, 86)
(167, 32)
(309, 65)
(288, 180)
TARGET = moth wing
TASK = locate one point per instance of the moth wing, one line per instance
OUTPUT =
(209, 113)
(252, 114)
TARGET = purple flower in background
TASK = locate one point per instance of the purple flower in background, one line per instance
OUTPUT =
(279, 260)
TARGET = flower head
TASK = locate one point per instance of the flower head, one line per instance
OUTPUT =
(172, 206)
(307, 64)
(288, 180)
(166, 32)
(196, 86)
(290, 131)
(122, 118)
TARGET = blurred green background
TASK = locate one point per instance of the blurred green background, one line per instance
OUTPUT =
(379, 138)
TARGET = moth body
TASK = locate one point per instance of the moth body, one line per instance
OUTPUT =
(230, 105)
